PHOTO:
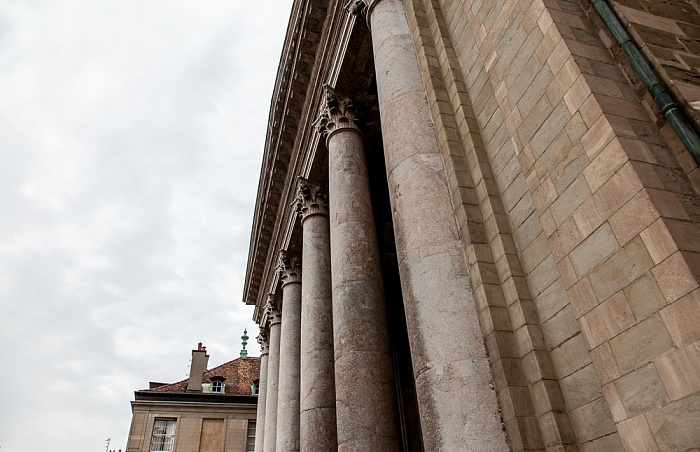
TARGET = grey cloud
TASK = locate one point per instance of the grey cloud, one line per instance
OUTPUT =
(132, 134)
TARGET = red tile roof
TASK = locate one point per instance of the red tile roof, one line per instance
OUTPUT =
(239, 373)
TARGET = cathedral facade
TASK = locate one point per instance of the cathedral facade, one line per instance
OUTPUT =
(478, 228)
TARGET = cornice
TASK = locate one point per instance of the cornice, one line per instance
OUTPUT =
(289, 95)
(189, 401)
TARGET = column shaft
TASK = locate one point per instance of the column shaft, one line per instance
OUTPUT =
(458, 408)
(365, 389)
(290, 366)
(273, 361)
(318, 420)
(262, 393)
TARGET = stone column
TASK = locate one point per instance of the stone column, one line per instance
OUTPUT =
(289, 268)
(458, 408)
(272, 319)
(318, 421)
(262, 391)
(364, 376)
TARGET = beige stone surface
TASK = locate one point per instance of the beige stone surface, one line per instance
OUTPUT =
(607, 320)
(680, 371)
(674, 277)
(263, 339)
(644, 297)
(287, 434)
(317, 390)
(272, 383)
(642, 390)
(675, 425)
(366, 413)
(681, 317)
(451, 375)
(636, 434)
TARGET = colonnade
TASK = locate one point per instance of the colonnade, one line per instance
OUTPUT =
(330, 381)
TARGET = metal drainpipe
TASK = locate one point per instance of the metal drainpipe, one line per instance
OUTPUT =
(670, 109)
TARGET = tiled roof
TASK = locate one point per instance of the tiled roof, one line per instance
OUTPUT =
(239, 373)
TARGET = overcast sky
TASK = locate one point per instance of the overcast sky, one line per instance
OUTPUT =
(131, 136)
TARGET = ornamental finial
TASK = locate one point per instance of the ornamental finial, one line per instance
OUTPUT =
(244, 352)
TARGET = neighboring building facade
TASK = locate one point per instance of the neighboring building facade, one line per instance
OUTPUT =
(212, 411)
(477, 230)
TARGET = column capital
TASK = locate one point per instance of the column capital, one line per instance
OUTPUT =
(361, 8)
(264, 341)
(336, 113)
(289, 268)
(272, 314)
(311, 199)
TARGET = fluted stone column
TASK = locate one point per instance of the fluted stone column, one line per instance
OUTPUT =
(289, 268)
(262, 391)
(458, 408)
(365, 389)
(318, 421)
(272, 319)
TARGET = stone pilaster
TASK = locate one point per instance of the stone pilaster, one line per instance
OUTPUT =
(366, 407)
(458, 407)
(264, 341)
(318, 420)
(289, 269)
(272, 321)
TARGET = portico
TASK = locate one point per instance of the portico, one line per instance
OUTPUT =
(379, 290)
(468, 218)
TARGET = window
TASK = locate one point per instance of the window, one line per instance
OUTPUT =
(255, 387)
(217, 384)
(250, 437)
(163, 438)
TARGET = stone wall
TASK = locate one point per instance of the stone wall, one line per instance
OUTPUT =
(578, 219)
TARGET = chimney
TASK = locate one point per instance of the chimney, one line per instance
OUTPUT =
(200, 359)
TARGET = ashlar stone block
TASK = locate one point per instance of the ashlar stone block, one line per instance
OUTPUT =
(680, 371)
(681, 319)
(640, 344)
(642, 390)
(674, 426)
(625, 266)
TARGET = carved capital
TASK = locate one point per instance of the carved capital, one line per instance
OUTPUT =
(289, 268)
(264, 341)
(272, 314)
(361, 8)
(311, 199)
(337, 113)
(357, 7)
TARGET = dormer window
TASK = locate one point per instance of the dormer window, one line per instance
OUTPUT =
(255, 387)
(217, 384)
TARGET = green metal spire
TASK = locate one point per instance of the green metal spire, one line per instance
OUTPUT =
(244, 352)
